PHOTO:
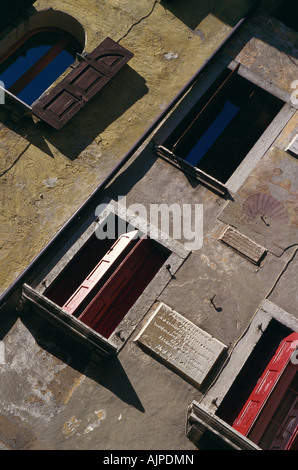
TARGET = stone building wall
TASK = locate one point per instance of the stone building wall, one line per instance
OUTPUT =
(57, 394)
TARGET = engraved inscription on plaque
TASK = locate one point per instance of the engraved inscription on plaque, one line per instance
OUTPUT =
(243, 245)
(180, 344)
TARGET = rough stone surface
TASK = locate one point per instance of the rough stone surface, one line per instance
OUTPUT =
(268, 212)
(54, 394)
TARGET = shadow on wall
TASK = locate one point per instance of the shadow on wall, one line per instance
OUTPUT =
(109, 373)
(119, 95)
(128, 87)
(136, 171)
(192, 12)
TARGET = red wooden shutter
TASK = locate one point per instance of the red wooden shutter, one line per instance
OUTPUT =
(123, 288)
(265, 385)
(77, 270)
(81, 84)
(99, 271)
(293, 443)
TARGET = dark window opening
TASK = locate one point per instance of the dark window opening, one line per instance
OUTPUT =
(252, 370)
(106, 277)
(77, 270)
(224, 125)
(37, 61)
(11, 10)
(287, 12)
(262, 404)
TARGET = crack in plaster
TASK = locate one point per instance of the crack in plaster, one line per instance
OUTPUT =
(139, 21)
(15, 161)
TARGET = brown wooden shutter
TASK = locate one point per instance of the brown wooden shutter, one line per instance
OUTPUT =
(81, 84)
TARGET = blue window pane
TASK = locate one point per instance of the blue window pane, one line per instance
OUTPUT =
(26, 56)
(46, 77)
(206, 141)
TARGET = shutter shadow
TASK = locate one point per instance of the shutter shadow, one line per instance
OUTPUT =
(67, 98)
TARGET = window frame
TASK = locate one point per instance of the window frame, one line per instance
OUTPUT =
(70, 92)
(268, 395)
(16, 45)
(204, 421)
(33, 295)
(65, 39)
(200, 88)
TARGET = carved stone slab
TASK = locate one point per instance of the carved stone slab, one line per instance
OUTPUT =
(180, 344)
(243, 245)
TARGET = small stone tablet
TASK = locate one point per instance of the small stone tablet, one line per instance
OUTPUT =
(181, 345)
(243, 245)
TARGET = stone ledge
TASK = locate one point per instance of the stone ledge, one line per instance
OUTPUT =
(209, 432)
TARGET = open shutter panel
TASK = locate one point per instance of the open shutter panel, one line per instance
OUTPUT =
(293, 443)
(99, 271)
(68, 281)
(65, 100)
(123, 288)
(200, 116)
(265, 385)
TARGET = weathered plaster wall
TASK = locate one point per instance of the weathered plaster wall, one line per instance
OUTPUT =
(45, 176)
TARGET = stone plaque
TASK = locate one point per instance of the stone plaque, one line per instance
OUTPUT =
(243, 245)
(180, 344)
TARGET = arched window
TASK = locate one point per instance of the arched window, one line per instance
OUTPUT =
(270, 415)
(36, 61)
